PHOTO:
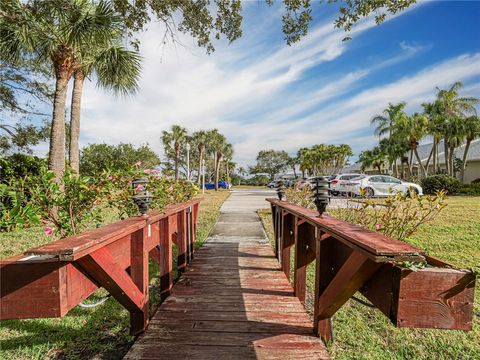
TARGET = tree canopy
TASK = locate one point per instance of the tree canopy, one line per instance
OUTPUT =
(271, 162)
(207, 20)
(96, 158)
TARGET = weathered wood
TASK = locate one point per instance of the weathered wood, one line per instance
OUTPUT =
(182, 240)
(346, 282)
(287, 240)
(74, 247)
(166, 257)
(101, 267)
(376, 246)
(139, 275)
(323, 276)
(232, 297)
(303, 235)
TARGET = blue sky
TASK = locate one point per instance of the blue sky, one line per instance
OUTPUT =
(263, 94)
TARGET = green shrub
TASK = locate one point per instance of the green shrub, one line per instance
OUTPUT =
(15, 209)
(436, 183)
(18, 166)
(469, 189)
(164, 191)
(398, 216)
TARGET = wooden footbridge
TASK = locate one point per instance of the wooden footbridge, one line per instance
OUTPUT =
(234, 299)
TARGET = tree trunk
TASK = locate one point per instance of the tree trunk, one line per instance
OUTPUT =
(464, 160)
(429, 158)
(422, 168)
(74, 150)
(201, 150)
(177, 157)
(217, 170)
(435, 155)
(445, 144)
(56, 156)
(450, 155)
(410, 162)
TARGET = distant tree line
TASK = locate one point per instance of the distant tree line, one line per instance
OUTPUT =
(320, 159)
(450, 117)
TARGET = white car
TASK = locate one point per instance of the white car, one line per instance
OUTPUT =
(338, 183)
(381, 185)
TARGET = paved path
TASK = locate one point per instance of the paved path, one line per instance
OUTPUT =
(233, 302)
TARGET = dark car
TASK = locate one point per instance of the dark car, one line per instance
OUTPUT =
(221, 185)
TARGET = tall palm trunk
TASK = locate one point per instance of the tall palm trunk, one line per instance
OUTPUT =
(445, 145)
(450, 159)
(427, 164)
(217, 169)
(422, 168)
(56, 156)
(177, 157)
(74, 151)
(201, 151)
(435, 155)
(410, 162)
(464, 159)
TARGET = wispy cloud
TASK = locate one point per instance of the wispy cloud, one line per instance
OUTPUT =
(262, 95)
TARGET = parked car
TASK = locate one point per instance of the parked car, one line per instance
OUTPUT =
(380, 185)
(273, 184)
(221, 185)
(338, 183)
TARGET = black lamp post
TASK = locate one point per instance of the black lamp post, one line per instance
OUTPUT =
(141, 196)
(320, 193)
(281, 190)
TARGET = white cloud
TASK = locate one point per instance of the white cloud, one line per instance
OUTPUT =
(258, 95)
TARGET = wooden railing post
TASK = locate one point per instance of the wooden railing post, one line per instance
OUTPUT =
(166, 260)
(323, 275)
(275, 232)
(139, 274)
(182, 241)
(189, 234)
(304, 235)
(287, 239)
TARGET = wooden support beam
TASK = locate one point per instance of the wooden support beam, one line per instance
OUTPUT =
(323, 275)
(155, 242)
(182, 241)
(189, 213)
(166, 260)
(139, 274)
(356, 270)
(287, 239)
(100, 266)
(303, 233)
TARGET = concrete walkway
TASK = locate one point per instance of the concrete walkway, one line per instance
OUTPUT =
(233, 301)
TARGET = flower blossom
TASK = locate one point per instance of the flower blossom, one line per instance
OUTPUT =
(48, 231)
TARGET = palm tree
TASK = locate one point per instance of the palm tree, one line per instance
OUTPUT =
(471, 132)
(55, 31)
(451, 107)
(200, 139)
(372, 158)
(116, 69)
(218, 144)
(386, 123)
(173, 142)
(413, 129)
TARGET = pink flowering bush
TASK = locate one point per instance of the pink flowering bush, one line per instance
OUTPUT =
(164, 191)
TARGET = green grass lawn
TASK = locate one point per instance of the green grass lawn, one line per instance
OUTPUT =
(364, 333)
(101, 332)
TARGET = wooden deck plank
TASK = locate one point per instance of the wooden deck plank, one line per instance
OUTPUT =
(232, 302)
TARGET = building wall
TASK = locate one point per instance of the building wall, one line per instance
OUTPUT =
(472, 171)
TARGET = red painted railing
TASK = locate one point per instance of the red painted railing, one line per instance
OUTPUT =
(50, 280)
(349, 258)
